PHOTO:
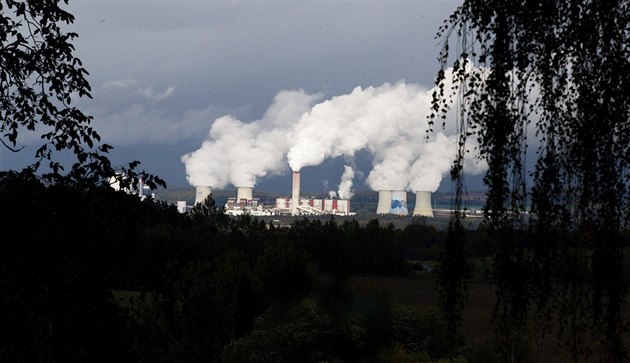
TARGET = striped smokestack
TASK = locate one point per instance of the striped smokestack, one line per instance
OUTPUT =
(423, 205)
(295, 195)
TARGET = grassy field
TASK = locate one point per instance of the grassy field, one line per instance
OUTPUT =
(421, 294)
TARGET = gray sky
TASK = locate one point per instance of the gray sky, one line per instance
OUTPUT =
(162, 71)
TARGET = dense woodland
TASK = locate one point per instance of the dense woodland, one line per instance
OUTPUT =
(101, 275)
(98, 274)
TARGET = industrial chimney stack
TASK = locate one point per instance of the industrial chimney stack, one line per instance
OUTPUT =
(202, 193)
(423, 205)
(295, 195)
(384, 202)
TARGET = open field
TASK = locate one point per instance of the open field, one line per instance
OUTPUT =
(422, 294)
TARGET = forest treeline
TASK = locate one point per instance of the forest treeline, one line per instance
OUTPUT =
(98, 275)
(93, 274)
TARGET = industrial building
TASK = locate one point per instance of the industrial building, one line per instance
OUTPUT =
(139, 189)
(389, 202)
(313, 206)
(244, 203)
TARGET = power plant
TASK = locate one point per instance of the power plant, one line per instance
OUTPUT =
(244, 203)
(389, 202)
(300, 130)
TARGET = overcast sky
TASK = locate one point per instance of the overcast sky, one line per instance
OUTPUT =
(163, 71)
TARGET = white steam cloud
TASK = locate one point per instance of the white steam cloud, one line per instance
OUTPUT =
(238, 153)
(372, 118)
(345, 186)
(390, 121)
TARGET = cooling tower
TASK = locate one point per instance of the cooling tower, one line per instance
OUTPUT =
(202, 193)
(295, 195)
(243, 193)
(399, 203)
(181, 206)
(384, 202)
(423, 205)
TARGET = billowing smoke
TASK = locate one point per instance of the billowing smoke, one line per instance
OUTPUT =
(391, 167)
(390, 121)
(237, 152)
(374, 118)
(435, 158)
(345, 186)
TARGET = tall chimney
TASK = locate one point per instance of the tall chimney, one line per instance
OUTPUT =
(423, 205)
(202, 193)
(140, 187)
(243, 193)
(295, 195)
(399, 203)
(384, 202)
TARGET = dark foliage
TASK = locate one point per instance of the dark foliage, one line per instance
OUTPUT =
(561, 68)
(100, 275)
(39, 75)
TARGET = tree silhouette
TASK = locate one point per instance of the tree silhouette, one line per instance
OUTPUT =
(559, 67)
(39, 77)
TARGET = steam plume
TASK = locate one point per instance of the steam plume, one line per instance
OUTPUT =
(345, 187)
(239, 153)
(390, 121)
(372, 118)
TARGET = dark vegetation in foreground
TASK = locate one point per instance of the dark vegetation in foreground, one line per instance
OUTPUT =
(198, 287)
(98, 275)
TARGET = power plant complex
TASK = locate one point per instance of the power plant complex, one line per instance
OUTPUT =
(389, 202)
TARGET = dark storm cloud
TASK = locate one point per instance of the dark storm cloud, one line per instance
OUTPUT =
(162, 71)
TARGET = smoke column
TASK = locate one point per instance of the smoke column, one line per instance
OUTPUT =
(345, 186)
(237, 152)
(390, 121)
(391, 164)
(434, 160)
(372, 118)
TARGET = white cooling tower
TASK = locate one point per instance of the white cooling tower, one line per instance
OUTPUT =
(384, 202)
(181, 206)
(243, 193)
(202, 193)
(399, 203)
(423, 205)
(295, 195)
